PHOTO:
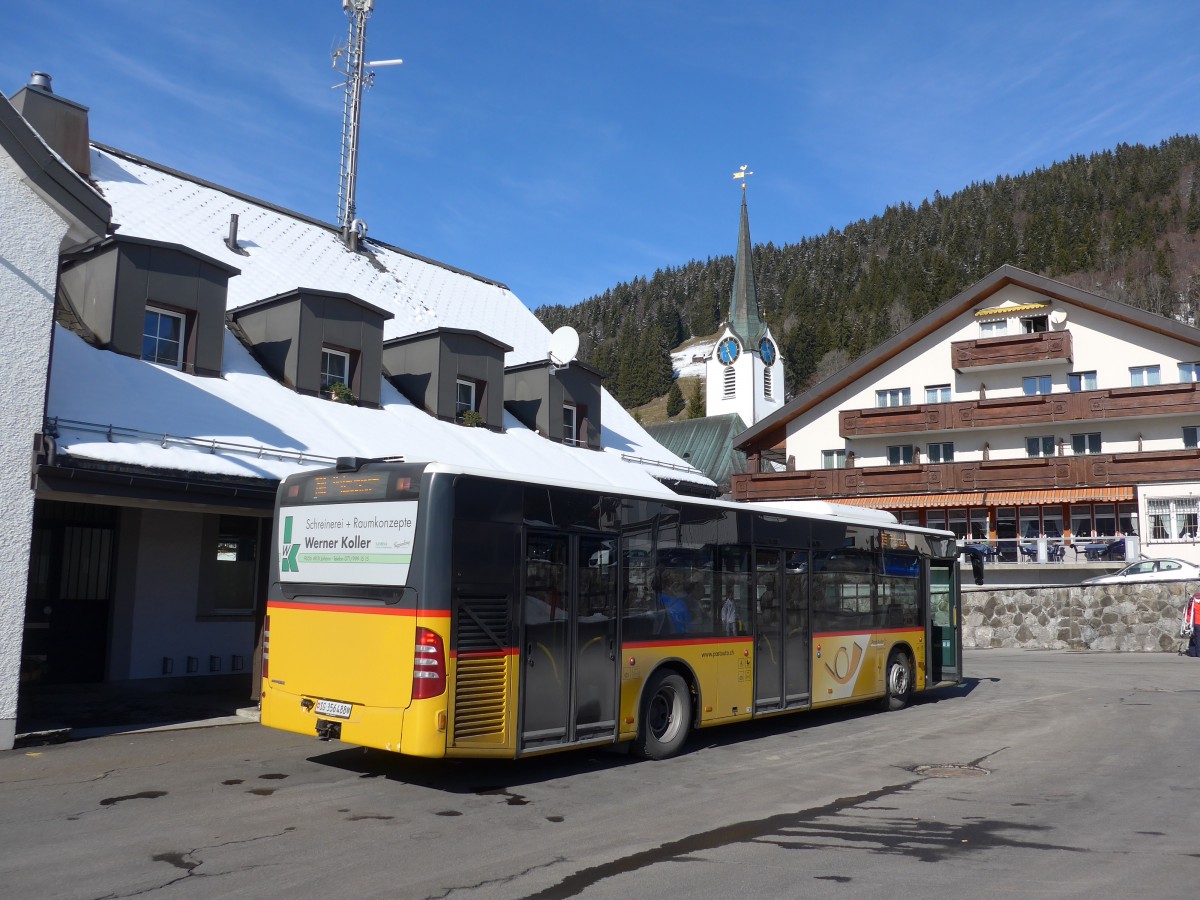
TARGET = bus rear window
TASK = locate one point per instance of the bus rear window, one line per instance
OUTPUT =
(394, 482)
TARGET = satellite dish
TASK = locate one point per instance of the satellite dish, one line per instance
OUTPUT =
(564, 345)
(1058, 317)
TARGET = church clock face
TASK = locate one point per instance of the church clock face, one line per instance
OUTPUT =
(728, 350)
(767, 350)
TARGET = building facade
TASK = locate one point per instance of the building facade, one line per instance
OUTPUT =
(46, 210)
(1020, 408)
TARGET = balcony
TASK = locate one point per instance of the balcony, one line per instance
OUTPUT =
(1105, 470)
(1011, 350)
(1016, 412)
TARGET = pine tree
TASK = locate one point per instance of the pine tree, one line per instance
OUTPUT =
(696, 403)
(674, 400)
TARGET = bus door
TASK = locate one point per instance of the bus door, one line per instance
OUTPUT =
(569, 640)
(781, 676)
(945, 622)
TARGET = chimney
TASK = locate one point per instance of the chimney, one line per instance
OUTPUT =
(62, 123)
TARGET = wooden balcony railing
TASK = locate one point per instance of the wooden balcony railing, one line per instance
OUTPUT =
(1008, 412)
(1011, 350)
(1101, 470)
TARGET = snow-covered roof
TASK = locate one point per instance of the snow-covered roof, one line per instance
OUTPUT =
(115, 409)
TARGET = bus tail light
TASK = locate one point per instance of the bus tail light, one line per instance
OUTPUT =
(266, 641)
(429, 665)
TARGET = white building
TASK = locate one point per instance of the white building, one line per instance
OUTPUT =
(1020, 407)
(46, 209)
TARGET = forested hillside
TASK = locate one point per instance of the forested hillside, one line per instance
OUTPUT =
(1124, 223)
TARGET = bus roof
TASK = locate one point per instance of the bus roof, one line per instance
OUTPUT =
(815, 509)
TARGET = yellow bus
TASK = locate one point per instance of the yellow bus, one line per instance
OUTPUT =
(440, 611)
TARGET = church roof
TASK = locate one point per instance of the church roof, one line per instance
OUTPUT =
(705, 443)
(744, 319)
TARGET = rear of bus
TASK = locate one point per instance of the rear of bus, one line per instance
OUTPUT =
(350, 651)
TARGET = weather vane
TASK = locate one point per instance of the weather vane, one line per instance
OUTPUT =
(740, 175)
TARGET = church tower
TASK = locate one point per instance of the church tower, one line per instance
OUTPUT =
(744, 374)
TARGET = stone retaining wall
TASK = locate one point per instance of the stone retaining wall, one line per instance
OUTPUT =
(1141, 617)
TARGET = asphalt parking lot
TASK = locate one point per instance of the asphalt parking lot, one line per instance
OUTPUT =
(1046, 774)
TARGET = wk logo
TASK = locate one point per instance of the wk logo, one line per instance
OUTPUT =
(288, 562)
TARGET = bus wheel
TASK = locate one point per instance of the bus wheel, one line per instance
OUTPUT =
(898, 686)
(666, 716)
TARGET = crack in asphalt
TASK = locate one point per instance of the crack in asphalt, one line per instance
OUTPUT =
(493, 881)
(189, 861)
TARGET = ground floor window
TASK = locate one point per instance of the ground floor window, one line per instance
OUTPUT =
(235, 588)
(1173, 518)
(1054, 521)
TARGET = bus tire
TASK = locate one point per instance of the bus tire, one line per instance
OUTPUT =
(666, 716)
(897, 682)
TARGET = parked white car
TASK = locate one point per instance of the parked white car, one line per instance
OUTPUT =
(1150, 570)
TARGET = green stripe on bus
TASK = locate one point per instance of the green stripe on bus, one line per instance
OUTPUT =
(385, 558)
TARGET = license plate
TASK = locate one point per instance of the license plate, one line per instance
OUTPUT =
(333, 708)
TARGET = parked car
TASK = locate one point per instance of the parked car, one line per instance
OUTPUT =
(1150, 570)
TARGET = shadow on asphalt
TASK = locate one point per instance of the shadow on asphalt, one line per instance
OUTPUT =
(492, 777)
(58, 710)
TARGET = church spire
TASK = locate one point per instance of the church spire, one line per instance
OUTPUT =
(744, 318)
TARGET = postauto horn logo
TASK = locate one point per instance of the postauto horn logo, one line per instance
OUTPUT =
(287, 562)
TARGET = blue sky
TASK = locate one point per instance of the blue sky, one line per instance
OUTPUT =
(562, 146)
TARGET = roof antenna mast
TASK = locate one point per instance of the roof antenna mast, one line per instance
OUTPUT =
(359, 74)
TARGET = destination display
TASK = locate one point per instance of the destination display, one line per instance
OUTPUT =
(323, 488)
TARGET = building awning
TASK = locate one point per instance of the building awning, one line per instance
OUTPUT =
(994, 498)
(1009, 310)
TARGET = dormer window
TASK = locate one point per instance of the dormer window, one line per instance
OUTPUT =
(151, 300)
(570, 424)
(464, 401)
(163, 335)
(335, 368)
(449, 372)
(314, 340)
(561, 403)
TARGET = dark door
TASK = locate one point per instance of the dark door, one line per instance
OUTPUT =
(796, 635)
(945, 622)
(69, 599)
(569, 637)
(768, 632)
(781, 676)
